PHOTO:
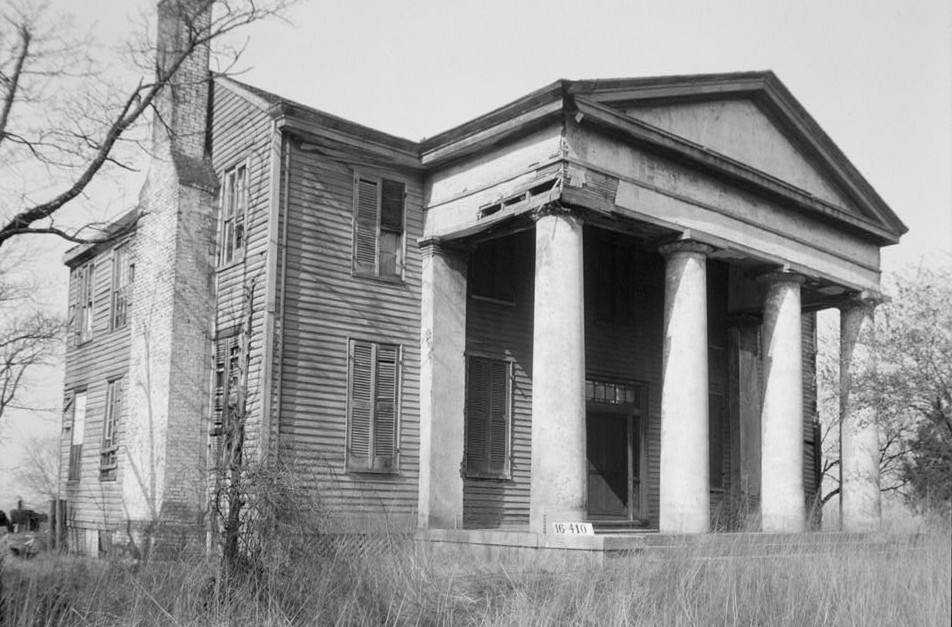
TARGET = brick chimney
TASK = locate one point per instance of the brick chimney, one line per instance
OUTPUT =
(172, 310)
(182, 108)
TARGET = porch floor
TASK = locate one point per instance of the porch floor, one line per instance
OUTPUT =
(493, 544)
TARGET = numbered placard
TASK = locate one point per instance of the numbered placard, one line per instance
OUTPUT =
(573, 529)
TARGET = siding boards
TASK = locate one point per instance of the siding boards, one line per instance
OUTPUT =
(504, 331)
(242, 135)
(94, 504)
(325, 306)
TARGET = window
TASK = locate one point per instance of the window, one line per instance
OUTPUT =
(234, 206)
(491, 271)
(110, 434)
(227, 380)
(378, 227)
(615, 288)
(488, 409)
(84, 302)
(373, 403)
(78, 432)
(123, 269)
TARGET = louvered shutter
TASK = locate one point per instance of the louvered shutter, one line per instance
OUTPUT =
(361, 404)
(477, 415)
(385, 415)
(365, 227)
(499, 416)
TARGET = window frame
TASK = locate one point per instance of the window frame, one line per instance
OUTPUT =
(358, 267)
(499, 273)
(486, 472)
(123, 274)
(233, 215)
(371, 462)
(75, 461)
(109, 442)
(85, 301)
(227, 350)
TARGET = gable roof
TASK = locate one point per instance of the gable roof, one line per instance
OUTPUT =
(606, 100)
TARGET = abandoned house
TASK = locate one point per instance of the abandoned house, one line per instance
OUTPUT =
(593, 304)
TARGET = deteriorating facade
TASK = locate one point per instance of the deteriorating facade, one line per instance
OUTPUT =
(594, 304)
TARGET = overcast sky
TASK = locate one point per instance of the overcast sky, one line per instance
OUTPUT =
(876, 75)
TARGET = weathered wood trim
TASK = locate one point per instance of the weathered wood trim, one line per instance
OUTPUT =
(271, 263)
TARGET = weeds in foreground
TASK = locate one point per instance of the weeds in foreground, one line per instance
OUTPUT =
(365, 580)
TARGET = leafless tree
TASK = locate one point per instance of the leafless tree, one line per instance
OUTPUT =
(39, 468)
(29, 337)
(64, 119)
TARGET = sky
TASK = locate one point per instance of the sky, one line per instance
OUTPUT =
(876, 76)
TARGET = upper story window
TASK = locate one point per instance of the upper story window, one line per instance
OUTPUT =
(84, 302)
(234, 208)
(379, 209)
(123, 270)
(616, 290)
(373, 402)
(491, 275)
(108, 454)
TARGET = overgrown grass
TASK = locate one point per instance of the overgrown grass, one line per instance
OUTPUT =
(727, 580)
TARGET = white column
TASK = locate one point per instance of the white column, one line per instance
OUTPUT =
(782, 495)
(559, 466)
(685, 484)
(860, 508)
(442, 387)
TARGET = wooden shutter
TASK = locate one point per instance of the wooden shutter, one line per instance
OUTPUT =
(499, 416)
(361, 404)
(477, 415)
(365, 227)
(385, 415)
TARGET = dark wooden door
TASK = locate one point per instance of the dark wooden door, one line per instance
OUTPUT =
(609, 465)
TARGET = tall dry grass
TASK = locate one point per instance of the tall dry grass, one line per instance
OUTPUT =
(723, 580)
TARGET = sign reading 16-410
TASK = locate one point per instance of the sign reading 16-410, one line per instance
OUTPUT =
(573, 529)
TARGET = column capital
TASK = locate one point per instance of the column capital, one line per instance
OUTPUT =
(436, 245)
(557, 208)
(867, 301)
(781, 277)
(686, 247)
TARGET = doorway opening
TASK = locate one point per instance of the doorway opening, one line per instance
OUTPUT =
(615, 435)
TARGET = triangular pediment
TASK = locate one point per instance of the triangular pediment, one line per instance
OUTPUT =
(752, 120)
(739, 129)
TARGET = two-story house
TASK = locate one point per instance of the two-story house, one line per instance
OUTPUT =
(594, 304)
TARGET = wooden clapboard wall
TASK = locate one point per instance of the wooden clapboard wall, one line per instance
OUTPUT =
(93, 504)
(500, 330)
(242, 136)
(324, 306)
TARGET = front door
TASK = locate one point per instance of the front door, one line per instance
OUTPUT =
(610, 465)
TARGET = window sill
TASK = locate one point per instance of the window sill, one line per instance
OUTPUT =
(231, 264)
(375, 473)
(493, 301)
(503, 478)
(386, 278)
